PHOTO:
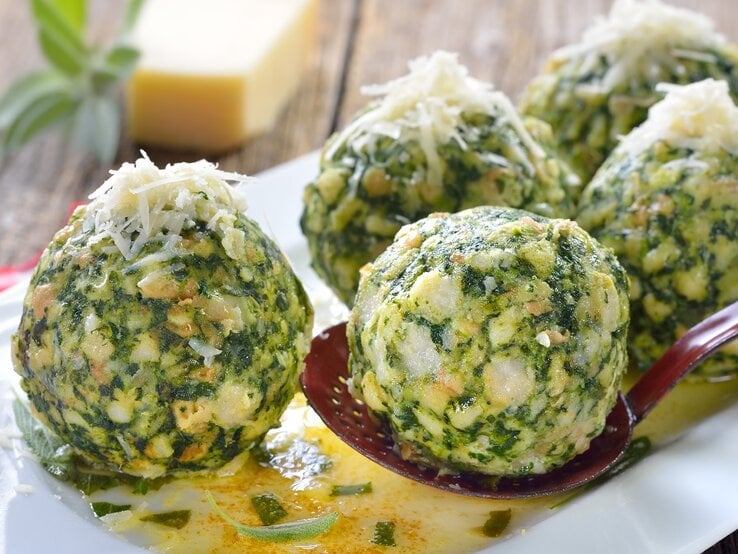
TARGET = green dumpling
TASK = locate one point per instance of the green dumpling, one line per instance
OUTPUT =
(162, 331)
(491, 340)
(666, 201)
(438, 141)
(599, 89)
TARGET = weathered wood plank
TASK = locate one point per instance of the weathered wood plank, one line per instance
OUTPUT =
(39, 183)
(502, 41)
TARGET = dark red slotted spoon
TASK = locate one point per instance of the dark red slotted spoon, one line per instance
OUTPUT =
(324, 385)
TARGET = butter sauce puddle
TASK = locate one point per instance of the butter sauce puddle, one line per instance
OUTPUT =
(426, 520)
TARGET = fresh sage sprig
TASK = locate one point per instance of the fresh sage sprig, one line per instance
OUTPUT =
(79, 89)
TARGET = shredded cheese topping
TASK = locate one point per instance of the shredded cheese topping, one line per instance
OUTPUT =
(699, 116)
(141, 202)
(639, 33)
(427, 105)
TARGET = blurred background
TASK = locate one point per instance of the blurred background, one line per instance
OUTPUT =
(357, 42)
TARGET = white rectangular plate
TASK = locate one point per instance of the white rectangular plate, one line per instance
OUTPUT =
(681, 499)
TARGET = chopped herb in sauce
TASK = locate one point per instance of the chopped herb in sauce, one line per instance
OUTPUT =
(104, 508)
(175, 519)
(384, 533)
(497, 522)
(350, 490)
(268, 508)
(283, 532)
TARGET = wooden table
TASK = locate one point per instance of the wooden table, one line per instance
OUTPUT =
(360, 41)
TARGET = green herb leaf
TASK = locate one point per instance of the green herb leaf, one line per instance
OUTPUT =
(132, 12)
(293, 530)
(103, 79)
(41, 113)
(89, 482)
(97, 126)
(497, 522)
(26, 90)
(104, 508)
(60, 42)
(59, 53)
(638, 449)
(53, 454)
(92, 482)
(141, 486)
(74, 11)
(384, 533)
(175, 519)
(42, 442)
(58, 459)
(348, 490)
(122, 59)
(268, 508)
(114, 67)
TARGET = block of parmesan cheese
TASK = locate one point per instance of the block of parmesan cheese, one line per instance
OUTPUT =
(215, 72)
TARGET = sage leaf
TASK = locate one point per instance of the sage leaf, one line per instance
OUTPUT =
(53, 454)
(283, 532)
(97, 127)
(175, 519)
(384, 533)
(59, 53)
(104, 508)
(132, 11)
(60, 42)
(40, 114)
(103, 79)
(26, 90)
(42, 442)
(268, 508)
(122, 59)
(75, 12)
(350, 490)
(48, 16)
(497, 522)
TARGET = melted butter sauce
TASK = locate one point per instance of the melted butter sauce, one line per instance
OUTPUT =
(307, 460)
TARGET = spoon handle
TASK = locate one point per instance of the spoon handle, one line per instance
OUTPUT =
(697, 344)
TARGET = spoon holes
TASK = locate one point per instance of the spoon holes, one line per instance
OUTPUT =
(336, 389)
(335, 401)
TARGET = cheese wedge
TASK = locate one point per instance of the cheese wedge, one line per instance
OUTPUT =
(214, 73)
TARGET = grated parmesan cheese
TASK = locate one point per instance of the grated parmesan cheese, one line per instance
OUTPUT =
(637, 34)
(427, 105)
(205, 350)
(141, 202)
(21, 488)
(699, 116)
